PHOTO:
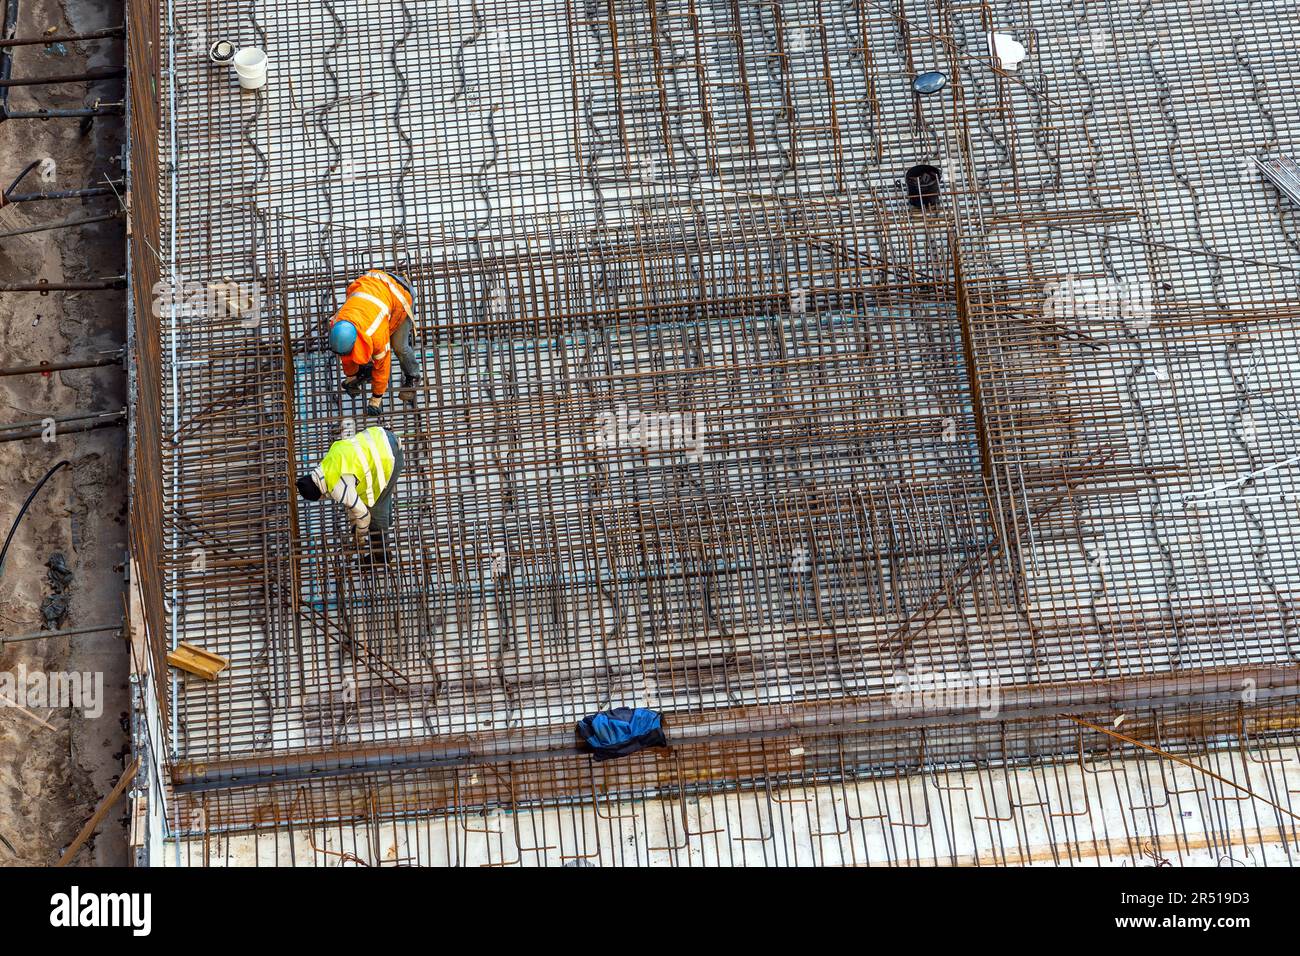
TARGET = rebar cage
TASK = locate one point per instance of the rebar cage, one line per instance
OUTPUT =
(716, 417)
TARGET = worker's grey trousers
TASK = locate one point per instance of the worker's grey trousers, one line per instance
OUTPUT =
(381, 515)
(403, 340)
(404, 348)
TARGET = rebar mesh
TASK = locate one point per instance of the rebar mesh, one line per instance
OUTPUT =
(930, 795)
(715, 420)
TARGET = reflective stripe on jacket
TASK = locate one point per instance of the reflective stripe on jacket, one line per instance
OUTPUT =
(376, 304)
(368, 456)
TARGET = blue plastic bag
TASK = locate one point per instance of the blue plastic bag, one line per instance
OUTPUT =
(622, 731)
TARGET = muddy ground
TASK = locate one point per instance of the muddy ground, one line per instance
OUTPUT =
(57, 764)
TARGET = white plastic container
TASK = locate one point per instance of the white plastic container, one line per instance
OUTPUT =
(250, 65)
(1007, 51)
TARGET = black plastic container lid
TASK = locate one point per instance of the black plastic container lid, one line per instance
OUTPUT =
(922, 183)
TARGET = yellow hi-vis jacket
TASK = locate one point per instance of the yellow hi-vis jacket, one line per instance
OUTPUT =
(367, 456)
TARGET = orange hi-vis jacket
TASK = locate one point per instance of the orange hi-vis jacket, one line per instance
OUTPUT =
(376, 304)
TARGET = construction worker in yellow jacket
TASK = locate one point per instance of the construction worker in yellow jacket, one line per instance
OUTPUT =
(361, 474)
(376, 320)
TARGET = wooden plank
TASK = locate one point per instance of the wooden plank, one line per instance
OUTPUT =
(101, 811)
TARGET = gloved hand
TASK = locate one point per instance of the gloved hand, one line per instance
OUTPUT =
(352, 385)
(372, 406)
(359, 538)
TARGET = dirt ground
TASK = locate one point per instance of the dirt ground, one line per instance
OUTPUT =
(55, 770)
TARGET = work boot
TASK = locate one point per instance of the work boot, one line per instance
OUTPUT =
(352, 386)
(409, 384)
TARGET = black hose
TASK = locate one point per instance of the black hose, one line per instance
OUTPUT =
(4, 552)
(21, 176)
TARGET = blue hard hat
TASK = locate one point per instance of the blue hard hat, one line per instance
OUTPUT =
(342, 337)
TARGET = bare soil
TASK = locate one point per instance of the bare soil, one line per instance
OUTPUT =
(52, 777)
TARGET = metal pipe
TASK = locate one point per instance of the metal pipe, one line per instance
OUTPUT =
(60, 194)
(110, 109)
(66, 632)
(65, 224)
(178, 405)
(90, 76)
(117, 282)
(65, 37)
(6, 57)
(119, 419)
(79, 417)
(114, 359)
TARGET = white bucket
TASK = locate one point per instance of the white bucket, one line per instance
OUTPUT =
(250, 64)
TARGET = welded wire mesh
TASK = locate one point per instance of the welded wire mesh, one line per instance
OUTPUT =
(924, 796)
(714, 419)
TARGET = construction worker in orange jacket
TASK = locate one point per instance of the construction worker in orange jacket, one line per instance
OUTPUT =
(376, 320)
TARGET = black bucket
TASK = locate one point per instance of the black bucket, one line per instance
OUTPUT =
(922, 184)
